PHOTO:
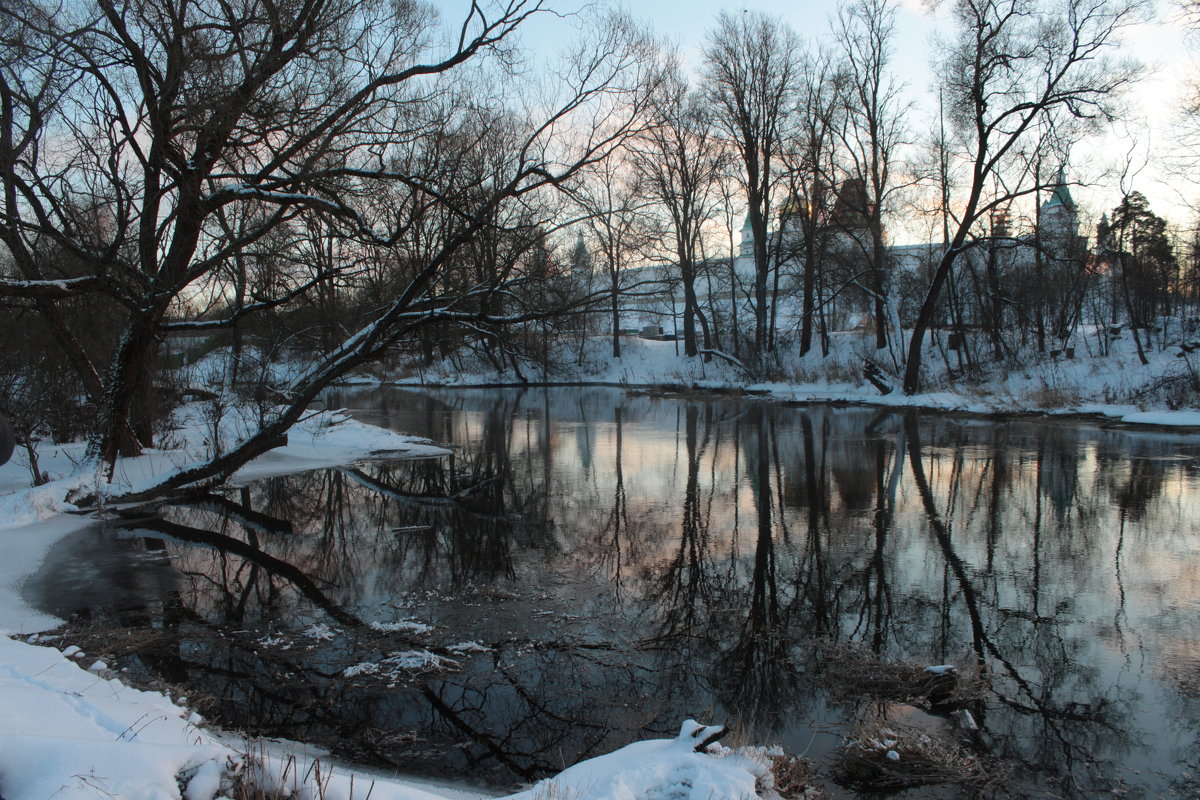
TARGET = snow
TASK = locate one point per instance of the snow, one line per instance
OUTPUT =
(365, 668)
(67, 733)
(71, 730)
(398, 664)
(323, 439)
(420, 660)
(1173, 418)
(965, 720)
(658, 769)
(405, 625)
(942, 669)
(71, 734)
(320, 631)
(1112, 387)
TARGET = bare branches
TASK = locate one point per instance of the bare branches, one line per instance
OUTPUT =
(873, 132)
(1015, 65)
(49, 289)
(681, 160)
(752, 65)
(242, 158)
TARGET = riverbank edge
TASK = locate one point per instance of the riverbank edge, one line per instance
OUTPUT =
(1117, 417)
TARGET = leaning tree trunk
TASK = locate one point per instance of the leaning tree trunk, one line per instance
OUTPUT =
(912, 370)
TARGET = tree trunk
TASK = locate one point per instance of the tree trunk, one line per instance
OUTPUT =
(912, 370)
(995, 308)
(879, 283)
(687, 273)
(127, 416)
(810, 278)
(761, 270)
(616, 323)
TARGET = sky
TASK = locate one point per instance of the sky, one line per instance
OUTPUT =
(1162, 45)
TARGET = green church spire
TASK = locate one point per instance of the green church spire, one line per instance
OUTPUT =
(1061, 196)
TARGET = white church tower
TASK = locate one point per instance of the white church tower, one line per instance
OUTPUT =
(747, 246)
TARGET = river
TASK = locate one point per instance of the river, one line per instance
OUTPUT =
(593, 566)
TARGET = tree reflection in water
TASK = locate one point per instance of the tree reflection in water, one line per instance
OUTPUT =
(626, 561)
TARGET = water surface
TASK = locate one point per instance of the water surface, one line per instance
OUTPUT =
(592, 567)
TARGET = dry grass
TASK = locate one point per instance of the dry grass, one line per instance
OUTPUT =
(857, 674)
(261, 776)
(828, 371)
(886, 758)
(111, 644)
(1046, 396)
(795, 778)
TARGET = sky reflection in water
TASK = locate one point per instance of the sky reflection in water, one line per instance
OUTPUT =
(629, 561)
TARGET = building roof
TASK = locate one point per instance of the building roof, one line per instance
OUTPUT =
(793, 205)
(851, 208)
(1061, 196)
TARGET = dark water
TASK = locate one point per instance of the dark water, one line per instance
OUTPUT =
(618, 563)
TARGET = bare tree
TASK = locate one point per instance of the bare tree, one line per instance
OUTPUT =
(1049, 297)
(752, 65)
(1015, 63)
(681, 161)
(614, 212)
(126, 134)
(811, 162)
(873, 130)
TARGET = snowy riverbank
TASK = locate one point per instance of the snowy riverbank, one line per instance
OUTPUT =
(70, 729)
(1115, 387)
(324, 438)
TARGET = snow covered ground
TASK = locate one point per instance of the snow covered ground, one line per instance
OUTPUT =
(1115, 386)
(71, 730)
(324, 438)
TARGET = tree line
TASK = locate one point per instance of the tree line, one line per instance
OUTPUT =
(360, 181)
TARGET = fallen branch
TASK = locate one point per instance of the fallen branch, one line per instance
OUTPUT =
(725, 356)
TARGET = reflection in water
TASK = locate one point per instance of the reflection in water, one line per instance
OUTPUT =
(590, 567)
